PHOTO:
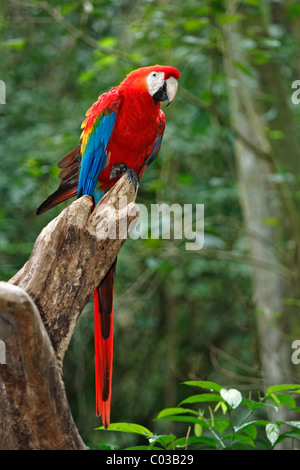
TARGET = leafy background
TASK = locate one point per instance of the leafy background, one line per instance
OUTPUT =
(179, 315)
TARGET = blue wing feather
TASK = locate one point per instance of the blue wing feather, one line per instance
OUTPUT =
(94, 156)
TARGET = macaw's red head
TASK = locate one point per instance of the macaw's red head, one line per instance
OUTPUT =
(158, 81)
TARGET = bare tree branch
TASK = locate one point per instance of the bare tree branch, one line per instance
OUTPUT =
(39, 308)
(34, 412)
(71, 256)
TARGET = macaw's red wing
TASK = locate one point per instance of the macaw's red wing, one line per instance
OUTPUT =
(69, 165)
(81, 167)
(103, 323)
(155, 148)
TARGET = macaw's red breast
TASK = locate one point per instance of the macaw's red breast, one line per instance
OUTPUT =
(134, 135)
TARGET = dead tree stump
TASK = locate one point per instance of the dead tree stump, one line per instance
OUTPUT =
(39, 308)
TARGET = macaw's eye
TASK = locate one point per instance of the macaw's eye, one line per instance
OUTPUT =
(154, 75)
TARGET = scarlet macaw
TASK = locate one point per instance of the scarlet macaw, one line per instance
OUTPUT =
(122, 132)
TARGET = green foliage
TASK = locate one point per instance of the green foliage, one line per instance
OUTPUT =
(175, 311)
(223, 420)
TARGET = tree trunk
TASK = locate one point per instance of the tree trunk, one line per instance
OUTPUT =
(261, 203)
(39, 308)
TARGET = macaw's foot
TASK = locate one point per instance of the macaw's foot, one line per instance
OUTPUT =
(120, 169)
(117, 170)
(133, 177)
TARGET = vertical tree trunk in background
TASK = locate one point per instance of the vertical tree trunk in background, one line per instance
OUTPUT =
(261, 202)
(275, 82)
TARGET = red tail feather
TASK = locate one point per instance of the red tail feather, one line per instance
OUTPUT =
(103, 324)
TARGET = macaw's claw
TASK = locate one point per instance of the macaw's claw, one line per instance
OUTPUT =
(117, 170)
(121, 168)
(133, 177)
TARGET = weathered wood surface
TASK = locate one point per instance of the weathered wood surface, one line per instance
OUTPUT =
(70, 258)
(39, 308)
(34, 412)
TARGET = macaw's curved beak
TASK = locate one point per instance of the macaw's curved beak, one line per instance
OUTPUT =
(167, 91)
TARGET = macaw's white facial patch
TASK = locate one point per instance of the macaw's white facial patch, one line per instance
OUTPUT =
(155, 81)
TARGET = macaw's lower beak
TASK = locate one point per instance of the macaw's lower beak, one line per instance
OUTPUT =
(167, 91)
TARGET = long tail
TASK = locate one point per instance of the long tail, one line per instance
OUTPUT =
(103, 295)
(103, 320)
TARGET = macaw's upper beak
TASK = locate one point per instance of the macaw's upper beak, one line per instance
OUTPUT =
(167, 91)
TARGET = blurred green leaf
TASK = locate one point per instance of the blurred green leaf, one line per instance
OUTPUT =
(128, 427)
(164, 440)
(222, 19)
(15, 43)
(204, 397)
(281, 399)
(191, 441)
(186, 419)
(281, 388)
(295, 424)
(204, 384)
(172, 411)
(193, 24)
(250, 430)
(108, 42)
(198, 428)
(272, 221)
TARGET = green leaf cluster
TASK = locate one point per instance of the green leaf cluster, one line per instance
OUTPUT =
(222, 420)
